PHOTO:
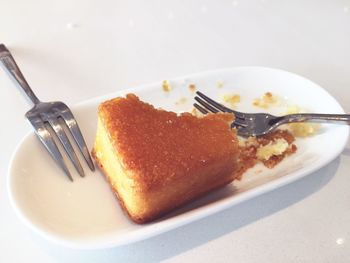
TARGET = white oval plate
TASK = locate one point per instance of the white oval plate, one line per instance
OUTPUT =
(85, 214)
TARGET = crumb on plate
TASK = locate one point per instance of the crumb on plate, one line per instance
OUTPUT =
(231, 100)
(301, 129)
(269, 149)
(266, 100)
(276, 147)
(219, 84)
(166, 85)
(192, 87)
(181, 101)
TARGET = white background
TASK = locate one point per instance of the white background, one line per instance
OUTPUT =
(75, 50)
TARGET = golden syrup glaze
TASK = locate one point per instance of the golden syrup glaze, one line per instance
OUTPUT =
(158, 146)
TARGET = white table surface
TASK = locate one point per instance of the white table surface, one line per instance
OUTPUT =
(75, 50)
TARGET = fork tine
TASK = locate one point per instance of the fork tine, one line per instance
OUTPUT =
(62, 136)
(46, 138)
(239, 122)
(72, 124)
(200, 108)
(218, 105)
(206, 105)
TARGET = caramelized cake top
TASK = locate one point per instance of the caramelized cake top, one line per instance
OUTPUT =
(158, 145)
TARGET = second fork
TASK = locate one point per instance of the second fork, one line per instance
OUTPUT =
(50, 119)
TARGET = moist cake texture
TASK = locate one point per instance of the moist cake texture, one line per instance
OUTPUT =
(156, 160)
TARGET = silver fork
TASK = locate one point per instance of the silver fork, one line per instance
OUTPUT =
(50, 119)
(256, 124)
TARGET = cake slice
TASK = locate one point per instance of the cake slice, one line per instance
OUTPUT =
(156, 160)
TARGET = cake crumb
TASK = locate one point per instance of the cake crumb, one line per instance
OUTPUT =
(266, 100)
(98, 154)
(231, 100)
(166, 85)
(269, 149)
(301, 129)
(181, 101)
(269, 98)
(219, 84)
(192, 87)
(277, 147)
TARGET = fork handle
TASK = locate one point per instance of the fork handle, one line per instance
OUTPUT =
(301, 117)
(12, 68)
